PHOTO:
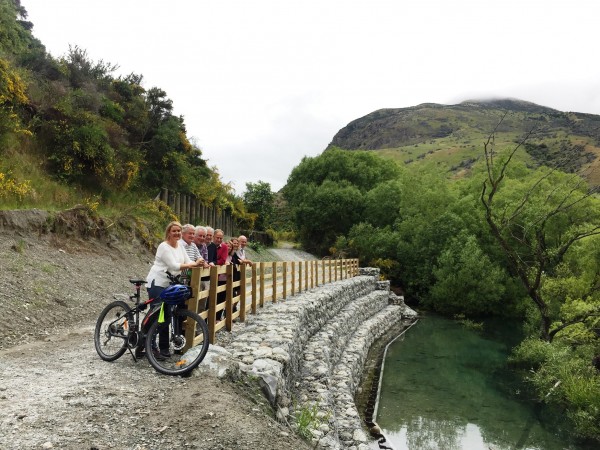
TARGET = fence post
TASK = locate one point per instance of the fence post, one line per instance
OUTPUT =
(293, 278)
(306, 275)
(229, 297)
(195, 284)
(284, 273)
(274, 281)
(254, 289)
(242, 292)
(212, 304)
(188, 208)
(299, 276)
(262, 285)
(176, 205)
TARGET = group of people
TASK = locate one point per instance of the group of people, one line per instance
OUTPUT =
(188, 246)
(205, 244)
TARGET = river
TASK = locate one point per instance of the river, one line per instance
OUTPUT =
(446, 387)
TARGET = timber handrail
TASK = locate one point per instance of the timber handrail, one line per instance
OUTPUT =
(256, 285)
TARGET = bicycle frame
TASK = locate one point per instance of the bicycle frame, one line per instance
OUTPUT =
(161, 327)
(137, 329)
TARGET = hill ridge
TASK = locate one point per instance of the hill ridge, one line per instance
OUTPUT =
(453, 135)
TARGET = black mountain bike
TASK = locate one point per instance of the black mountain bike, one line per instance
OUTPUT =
(174, 339)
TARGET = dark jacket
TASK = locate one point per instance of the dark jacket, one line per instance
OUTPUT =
(212, 253)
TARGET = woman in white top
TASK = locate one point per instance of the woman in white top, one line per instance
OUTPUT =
(170, 256)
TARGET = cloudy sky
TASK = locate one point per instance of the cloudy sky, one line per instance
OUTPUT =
(263, 83)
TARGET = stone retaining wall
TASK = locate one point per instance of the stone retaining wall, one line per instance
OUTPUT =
(308, 353)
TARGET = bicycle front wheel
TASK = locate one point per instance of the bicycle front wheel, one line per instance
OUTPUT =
(177, 346)
(112, 331)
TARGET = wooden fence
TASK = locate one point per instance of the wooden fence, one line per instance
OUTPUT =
(258, 284)
(190, 210)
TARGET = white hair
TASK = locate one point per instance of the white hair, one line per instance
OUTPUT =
(187, 226)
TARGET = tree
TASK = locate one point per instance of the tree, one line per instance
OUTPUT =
(326, 212)
(382, 203)
(376, 247)
(536, 221)
(81, 69)
(467, 282)
(326, 194)
(259, 200)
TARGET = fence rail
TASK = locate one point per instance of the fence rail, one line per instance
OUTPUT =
(258, 284)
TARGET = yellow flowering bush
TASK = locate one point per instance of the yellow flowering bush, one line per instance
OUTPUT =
(9, 187)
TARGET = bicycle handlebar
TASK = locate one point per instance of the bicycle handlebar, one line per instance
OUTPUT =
(174, 279)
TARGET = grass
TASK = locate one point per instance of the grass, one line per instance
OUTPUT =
(25, 168)
(48, 268)
(46, 193)
(307, 420)
(16, 267)
(53, 195)
(39, 288)
(452, 155)
(19, 246)
(448, 151)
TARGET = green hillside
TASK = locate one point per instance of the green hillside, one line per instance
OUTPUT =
(72, 132)
(452, 136)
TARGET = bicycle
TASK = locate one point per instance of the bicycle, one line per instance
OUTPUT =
(119, 329)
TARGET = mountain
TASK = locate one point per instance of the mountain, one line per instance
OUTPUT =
(453, 136)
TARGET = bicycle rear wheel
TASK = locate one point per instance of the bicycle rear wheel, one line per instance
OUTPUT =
(112, 331)
(187, 343)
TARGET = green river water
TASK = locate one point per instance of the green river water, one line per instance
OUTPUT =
(447, 387)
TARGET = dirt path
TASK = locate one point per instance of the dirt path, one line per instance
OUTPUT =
(58, 393)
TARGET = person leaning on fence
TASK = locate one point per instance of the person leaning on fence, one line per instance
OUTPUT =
(241, 252)
(171, 257)
(211, 247)
(200, 241)
(188, 231)
(222, 252)
(234, 246)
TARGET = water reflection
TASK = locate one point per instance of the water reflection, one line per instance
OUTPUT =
(446, 387)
